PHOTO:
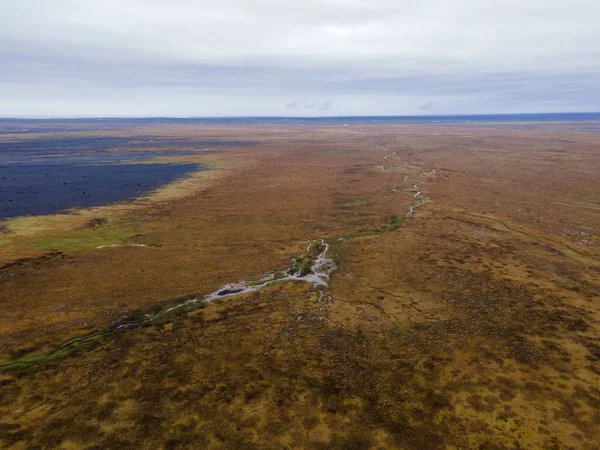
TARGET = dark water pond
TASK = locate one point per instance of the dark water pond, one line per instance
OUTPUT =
(47, 189)
(45, 176)
(83, 150)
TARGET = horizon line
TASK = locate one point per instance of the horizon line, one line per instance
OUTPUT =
(369, 116)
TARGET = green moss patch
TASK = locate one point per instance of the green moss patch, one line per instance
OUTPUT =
(88, 238)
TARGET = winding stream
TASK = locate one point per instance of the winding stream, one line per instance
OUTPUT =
(313, 266)
(415, 187)
(320, 269)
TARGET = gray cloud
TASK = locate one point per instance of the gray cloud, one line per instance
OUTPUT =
(234, 57)
(305, 104)
(426, 106)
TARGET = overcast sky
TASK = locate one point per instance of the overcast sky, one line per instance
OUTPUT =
(297, 57)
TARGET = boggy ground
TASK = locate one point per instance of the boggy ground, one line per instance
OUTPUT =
(472, 323)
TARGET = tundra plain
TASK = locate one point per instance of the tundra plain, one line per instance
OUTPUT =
(461, 307)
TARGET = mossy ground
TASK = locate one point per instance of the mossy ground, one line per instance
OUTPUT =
(111, 233)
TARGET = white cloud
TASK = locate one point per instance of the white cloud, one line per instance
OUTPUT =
(228, 55)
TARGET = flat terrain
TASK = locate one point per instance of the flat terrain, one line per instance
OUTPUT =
(463, 311)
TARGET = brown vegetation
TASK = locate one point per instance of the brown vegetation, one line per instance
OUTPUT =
(472, 323)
